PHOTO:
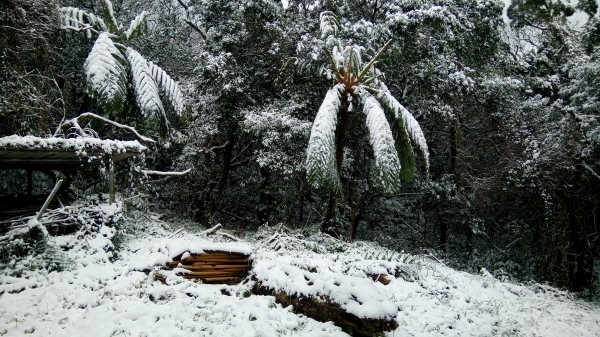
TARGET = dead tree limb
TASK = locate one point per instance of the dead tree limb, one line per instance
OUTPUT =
(74, 123)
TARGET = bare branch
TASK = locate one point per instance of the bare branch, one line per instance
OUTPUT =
(74, 123)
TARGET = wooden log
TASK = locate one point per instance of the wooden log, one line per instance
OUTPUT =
(323, 309)
(381, 278)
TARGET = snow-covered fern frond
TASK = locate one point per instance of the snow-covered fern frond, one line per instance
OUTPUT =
(146, 90)
(330, 28)
(382, 141)
(321, 163)
(138, 26)
(109, 15)
(352, 56)
(76, 19)
(106, 75)
(170, 87)
(409, 124)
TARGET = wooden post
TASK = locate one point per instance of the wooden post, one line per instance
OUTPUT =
(112, 179)
(48, 200)
(29, 182)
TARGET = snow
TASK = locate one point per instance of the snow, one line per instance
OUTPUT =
(176, 247)
(106, 296)
(79, 145)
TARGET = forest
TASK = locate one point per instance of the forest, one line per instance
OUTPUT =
(465, 132)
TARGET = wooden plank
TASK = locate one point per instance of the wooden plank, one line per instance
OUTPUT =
(217, 255)
(214, 279)
(229, 272)
(211, 252)
(213, 260)
(218, 266)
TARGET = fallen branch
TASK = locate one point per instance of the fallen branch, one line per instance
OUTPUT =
(211, 230)
(175, 233)
(166, 173)
(74, 123)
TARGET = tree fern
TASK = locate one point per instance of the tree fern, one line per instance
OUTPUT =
(321, 164)
(106, 75)
(105, 66)
(170, 87)
(391, 127)
(146, 91)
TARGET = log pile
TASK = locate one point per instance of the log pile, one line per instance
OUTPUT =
(212, 266)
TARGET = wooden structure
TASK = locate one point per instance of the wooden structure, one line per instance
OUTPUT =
(213, 266)
(44, 154)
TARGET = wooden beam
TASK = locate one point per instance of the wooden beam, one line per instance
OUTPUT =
(48, 200)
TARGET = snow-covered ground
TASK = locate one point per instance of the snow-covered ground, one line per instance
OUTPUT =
(97, 297)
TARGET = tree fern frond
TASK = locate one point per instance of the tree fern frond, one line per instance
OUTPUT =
(146, 90)
(170, 87)
(330, 28)
(77, 19)
(409, 124)
(109, 15)
(138, 26)
(106, 75)
(382, 141)
(321, 163)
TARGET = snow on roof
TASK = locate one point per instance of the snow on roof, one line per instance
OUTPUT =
(79, 145)
(358, 296)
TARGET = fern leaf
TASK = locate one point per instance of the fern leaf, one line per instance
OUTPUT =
(77, 19)
(382, 141)
(137, 27)
(330, 28)
(170, 87)
(404, 120)
(146, 90)
(321, 163)
(106, 75)
(109, 14)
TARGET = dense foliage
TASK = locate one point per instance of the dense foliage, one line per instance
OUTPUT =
(508, 108)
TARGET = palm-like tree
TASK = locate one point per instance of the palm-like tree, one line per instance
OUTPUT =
(392, 129)
(110, 65)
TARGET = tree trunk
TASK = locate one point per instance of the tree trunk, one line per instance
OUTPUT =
(213, 198)
(328, 225)
(265, 199)
(453, 152)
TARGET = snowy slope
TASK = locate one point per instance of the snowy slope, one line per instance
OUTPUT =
(98, 297)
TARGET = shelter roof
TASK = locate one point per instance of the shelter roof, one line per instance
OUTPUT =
(22, 152)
